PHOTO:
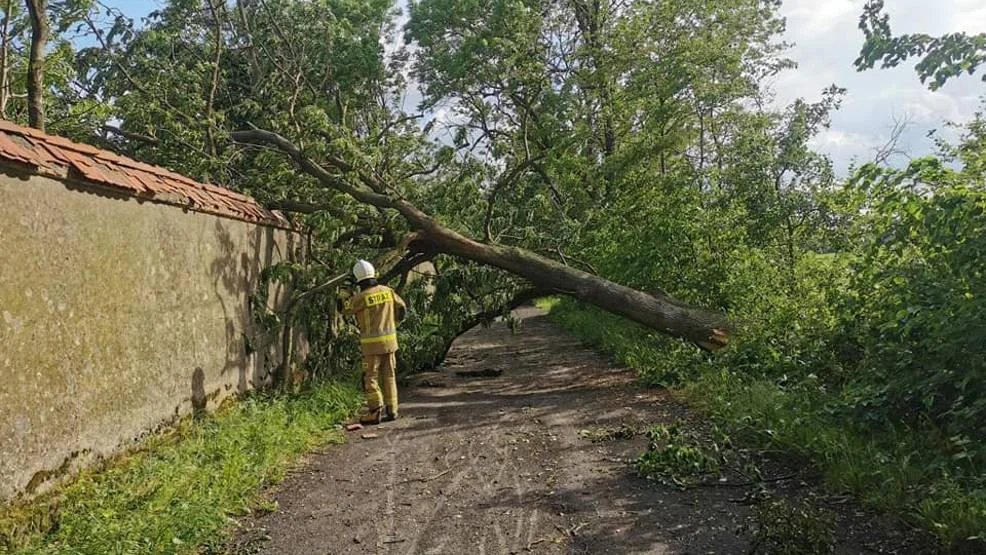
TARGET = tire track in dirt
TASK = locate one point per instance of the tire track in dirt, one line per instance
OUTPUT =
(496, 466)
(390, 508)
(460, 487)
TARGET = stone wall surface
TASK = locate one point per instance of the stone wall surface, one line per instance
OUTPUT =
(118, 316)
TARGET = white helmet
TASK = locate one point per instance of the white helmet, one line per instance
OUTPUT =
(363, 270)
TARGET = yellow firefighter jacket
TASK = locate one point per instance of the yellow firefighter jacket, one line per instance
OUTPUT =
(375, 310)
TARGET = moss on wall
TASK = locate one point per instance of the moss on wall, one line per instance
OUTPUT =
(114, 316)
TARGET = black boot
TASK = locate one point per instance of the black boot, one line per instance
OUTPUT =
(390, 415)
(371, 417)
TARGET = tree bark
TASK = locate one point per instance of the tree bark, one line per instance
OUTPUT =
(707, 329)
(38, 10)
(589, 18)
(5, 59)
(210, 104)
(408, 263)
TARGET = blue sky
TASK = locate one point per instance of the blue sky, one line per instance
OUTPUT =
(134, 8)
(826, 42)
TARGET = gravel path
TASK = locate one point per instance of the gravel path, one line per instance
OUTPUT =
(496, 465)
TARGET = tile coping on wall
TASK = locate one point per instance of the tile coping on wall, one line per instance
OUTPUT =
(63, 159)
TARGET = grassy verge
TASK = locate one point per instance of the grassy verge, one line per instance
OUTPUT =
(177, 494)
(898, 471)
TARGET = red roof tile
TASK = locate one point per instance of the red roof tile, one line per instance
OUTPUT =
(15, 151)
(50, 155)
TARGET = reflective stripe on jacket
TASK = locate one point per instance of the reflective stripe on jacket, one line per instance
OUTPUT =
(375, 311)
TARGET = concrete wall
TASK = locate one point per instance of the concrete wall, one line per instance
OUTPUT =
(116, 317)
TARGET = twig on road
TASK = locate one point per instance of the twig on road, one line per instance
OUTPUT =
(573, 531)
(749, 483)
(428, 479)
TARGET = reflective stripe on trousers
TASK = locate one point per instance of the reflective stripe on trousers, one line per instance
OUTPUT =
(381, 337)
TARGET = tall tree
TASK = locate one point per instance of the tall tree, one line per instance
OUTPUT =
(38, 10)
(562, 114)
(560, 109)
(704, 328)
(337, 120)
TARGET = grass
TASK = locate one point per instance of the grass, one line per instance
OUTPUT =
(897, 471)
(179, 491)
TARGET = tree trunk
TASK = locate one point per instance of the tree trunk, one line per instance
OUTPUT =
(707, 329)
(5, 59)
(210, 105)
(38, 10)
(589, 18)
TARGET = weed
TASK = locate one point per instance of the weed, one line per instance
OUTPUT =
(677, 458)
(784, 528)
(180, 490)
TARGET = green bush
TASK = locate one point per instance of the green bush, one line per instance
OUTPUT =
(890, 467)
(860, 313)
(915, 310)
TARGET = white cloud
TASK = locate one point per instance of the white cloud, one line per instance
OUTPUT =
(815, 18)
(970, 16)
(446, 115)
(845, 147)
(933, 107)
(827, 41)
(834, 138)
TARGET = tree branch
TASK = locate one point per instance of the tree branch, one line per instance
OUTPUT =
(707, 329)
(409, 261)
(5, 60)
(259, 136)
(302, 207)
(210, 104)
(130, 135)
(474, 320)
(506, 180)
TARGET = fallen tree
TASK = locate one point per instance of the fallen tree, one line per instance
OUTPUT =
(707, 329)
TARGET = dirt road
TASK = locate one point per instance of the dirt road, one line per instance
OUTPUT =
(496, 465)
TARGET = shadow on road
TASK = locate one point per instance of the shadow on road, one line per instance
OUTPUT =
(497, 465)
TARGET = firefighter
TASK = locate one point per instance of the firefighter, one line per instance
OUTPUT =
(378, 310)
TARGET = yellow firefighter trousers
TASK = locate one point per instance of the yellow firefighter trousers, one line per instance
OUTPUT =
(377, 368)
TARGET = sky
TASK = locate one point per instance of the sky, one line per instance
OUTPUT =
(826, 41)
